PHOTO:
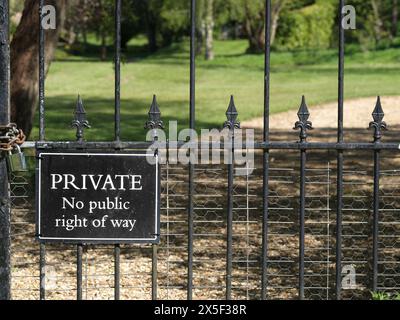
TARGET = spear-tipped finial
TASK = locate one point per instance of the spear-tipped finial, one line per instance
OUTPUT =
(303, 124)
(378, 113)
(378, 124)
(154, 121)
(80, 122)
(232, 115)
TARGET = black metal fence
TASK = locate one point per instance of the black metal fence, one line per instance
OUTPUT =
(294, 228)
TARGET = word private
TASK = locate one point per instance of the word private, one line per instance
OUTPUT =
(119, 182)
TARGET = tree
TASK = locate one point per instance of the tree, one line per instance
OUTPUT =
(395, 18)
(162, 21)
(379, 26)
(277, 8)
(251, 14)
(200, 27)
(24, 61)
(205, 28)
(209, 28)
(16, 8)
(254, 23)
(102, 18)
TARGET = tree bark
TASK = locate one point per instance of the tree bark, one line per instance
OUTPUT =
(378, 21)
(151, 27)
(209, 28)
(103, 51)
(255, 26)
(200, 35)
(200, 27)
(395, 18)
(275, 15)
(25, 61)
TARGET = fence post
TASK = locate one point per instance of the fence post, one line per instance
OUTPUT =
(5, 242)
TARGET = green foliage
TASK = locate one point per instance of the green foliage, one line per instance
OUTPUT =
(162, 21)
(16, 7)
(174, 20)
(299, 24)
(310, 27)
(385, 296)
(375, 27)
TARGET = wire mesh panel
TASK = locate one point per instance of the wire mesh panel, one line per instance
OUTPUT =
(25, 251)
(210, 236)
(172, 267)
(389, 226)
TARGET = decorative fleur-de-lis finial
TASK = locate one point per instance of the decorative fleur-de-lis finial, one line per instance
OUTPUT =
(378, 124)
(231, 115)
(154, 121)
(80, 122)
(303, 124)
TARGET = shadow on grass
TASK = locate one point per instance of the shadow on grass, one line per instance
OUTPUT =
(100, 114)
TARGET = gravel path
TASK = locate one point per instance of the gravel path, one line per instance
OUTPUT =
(357, 114)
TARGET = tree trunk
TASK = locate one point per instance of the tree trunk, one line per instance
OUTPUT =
(255, 35)
(209, 28)
(275, 15)
(378, 21)
(200, 35)
(152, 38)
(103, 53)
(83, 4)
(395, 18)
(200, 27)
(255, 26)
(151, 28)
(72, 35)
(24, 61)
(84, 36)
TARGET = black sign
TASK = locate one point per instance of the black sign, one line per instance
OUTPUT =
(98, 197)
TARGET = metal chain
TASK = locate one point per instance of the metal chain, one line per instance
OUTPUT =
(10, 136)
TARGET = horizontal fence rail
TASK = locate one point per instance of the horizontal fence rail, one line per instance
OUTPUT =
(214, 145)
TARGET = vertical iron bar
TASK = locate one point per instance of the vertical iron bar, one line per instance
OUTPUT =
(42, 259)
(267, 70)
(229, 226)
(192, 126)
(117, 62)
(340, 155)
(42, 266)
(303, 124)
(154, 123)
(378, 125)
(154, 273)
(302, 218)
(42, 75)
(80, 122)
(79, 268)
(5, 223)
(117, 271)
(231, 124)
(376, 220)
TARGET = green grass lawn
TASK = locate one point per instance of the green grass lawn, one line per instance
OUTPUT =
(166, 74)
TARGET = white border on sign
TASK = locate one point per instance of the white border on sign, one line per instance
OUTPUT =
(97, 154)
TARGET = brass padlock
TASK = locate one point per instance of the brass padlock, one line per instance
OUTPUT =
(16, 161)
